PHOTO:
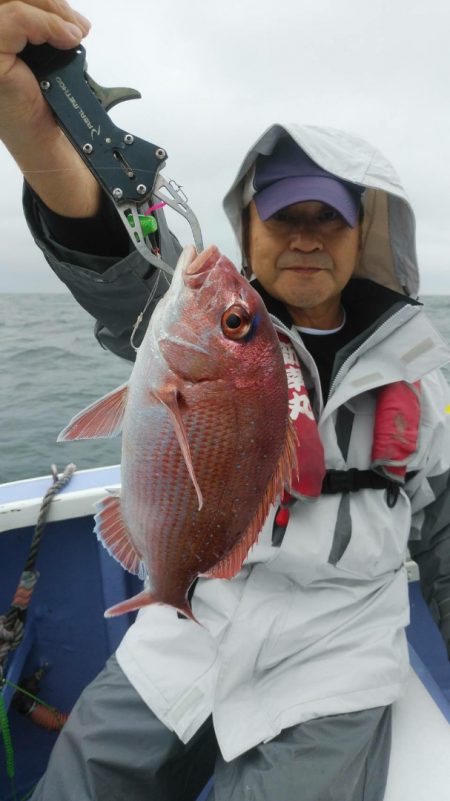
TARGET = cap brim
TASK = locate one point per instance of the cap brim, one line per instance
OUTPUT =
(301, 189)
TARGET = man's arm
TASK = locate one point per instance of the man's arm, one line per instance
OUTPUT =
(70, 218)
(429, 543)
(432, 554)
(95, 258)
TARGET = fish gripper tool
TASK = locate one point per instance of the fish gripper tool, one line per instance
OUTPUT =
(127, 167)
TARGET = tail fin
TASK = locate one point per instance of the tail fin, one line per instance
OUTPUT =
(145, 598)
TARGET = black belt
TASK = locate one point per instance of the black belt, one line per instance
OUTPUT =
(354, 480)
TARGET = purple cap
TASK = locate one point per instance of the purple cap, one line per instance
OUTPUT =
(289, 176)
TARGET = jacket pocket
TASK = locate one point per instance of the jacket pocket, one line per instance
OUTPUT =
(342, 532)
(371, 538)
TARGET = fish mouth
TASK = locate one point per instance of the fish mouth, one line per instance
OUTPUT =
(198, 269)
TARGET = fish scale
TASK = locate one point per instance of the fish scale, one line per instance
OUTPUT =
(168, 511)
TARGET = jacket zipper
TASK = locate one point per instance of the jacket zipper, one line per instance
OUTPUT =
(386, 326)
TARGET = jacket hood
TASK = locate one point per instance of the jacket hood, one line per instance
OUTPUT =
(388, 254)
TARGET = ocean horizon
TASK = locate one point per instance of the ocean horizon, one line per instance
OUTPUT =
(52, 367)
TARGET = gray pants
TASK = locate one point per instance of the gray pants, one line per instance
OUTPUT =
(114, 749)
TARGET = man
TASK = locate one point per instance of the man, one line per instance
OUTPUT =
(285, 690)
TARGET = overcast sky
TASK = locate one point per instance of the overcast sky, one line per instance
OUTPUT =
(214, 74)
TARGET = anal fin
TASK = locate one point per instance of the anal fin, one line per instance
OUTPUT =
(113, 534)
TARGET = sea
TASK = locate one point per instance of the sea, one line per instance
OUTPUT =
(52, 367)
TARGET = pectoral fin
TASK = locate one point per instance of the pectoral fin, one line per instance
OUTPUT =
(169, 399)
(101, 419)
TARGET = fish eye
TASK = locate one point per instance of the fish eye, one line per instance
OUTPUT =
(236, 322)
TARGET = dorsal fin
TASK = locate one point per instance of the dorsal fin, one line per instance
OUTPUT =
(282, 475)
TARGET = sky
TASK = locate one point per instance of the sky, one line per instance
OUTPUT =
(213, 75)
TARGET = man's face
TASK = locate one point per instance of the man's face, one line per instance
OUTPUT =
(304, 256)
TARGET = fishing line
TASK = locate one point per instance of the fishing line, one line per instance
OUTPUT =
(28, 794)
(141, 315)
(33, 697)
(6, 735)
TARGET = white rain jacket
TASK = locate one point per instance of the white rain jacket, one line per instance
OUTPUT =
(316, 626)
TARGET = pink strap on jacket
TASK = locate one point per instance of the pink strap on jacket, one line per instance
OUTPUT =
(396, 428)
(310, 454)
(395, 434)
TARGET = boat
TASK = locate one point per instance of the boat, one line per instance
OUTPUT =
(66, 641)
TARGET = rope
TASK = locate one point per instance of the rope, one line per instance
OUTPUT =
(9, 637)
(13, 622)
(57, 486)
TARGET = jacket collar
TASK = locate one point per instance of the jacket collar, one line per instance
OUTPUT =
(381, 318)
(365, 302)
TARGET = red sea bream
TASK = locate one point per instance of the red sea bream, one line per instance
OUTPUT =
(207, 444)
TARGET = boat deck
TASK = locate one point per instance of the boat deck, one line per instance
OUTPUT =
(67, 635)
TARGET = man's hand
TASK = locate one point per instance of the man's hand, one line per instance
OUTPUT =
(27, 127)
(21, 101)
